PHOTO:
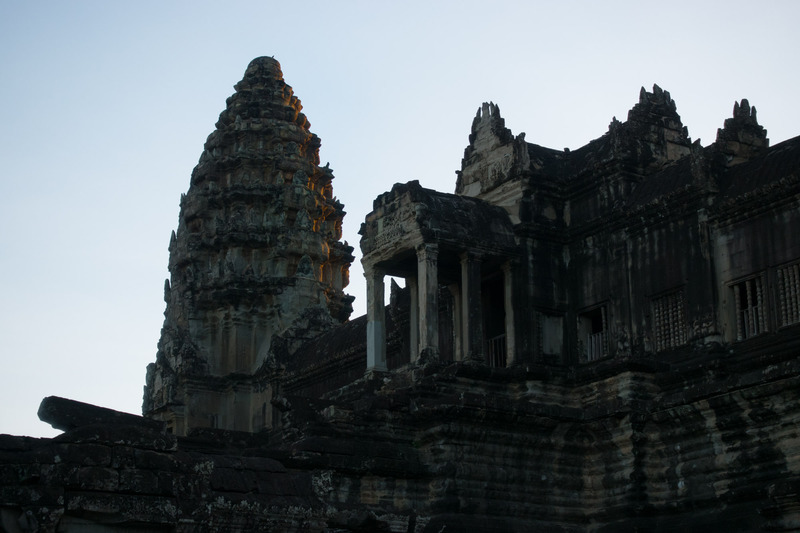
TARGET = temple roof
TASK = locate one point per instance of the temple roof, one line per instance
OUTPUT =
(410, 215)
(777, 165)
(781, 162)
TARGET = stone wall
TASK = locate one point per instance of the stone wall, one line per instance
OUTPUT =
(700, 439)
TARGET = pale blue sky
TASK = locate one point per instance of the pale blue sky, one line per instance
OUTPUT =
(105, 107)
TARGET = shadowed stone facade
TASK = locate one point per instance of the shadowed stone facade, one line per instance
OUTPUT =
(603, 339)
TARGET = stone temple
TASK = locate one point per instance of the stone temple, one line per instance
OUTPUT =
(603, 339)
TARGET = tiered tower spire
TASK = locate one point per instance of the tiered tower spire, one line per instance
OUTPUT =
(256, 258)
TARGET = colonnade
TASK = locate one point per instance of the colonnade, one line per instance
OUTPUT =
(424, 310)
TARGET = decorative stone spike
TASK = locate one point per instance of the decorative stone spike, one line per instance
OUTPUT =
(489, 131)
(744, 109)
(657, 91)
(259, 214)
(653, 131)
(741, 138)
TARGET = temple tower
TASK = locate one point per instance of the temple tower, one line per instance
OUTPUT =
(256, 265)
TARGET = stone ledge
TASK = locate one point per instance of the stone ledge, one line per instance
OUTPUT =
(66, 415)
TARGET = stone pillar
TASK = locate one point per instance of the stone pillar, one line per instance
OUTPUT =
(508, 304)
(428, 277)
(471, 307)
(413, 318)
(376, 327)
(528, 337)
(458, 331)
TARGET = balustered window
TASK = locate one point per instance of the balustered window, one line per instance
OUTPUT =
(789, 294)
(592, 333)
(669, 321)
(749, 298)
(496, 351)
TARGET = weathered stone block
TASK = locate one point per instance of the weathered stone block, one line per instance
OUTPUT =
(122, 508)
(141, 482)
(67, 415)
(230, 480)
(131, 436)
(95, 478)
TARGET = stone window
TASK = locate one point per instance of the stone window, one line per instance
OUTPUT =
(551, 333)
(496, 351)
(669, 321)
(494, 319)
(592, 333)
(789, 294)
(749, 299)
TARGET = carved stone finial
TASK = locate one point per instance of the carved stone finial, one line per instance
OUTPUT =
(741, 138)
(741, 110)
(264, 66)
(744, 111)
(657, 91)
(489, 134)
(655, 126)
